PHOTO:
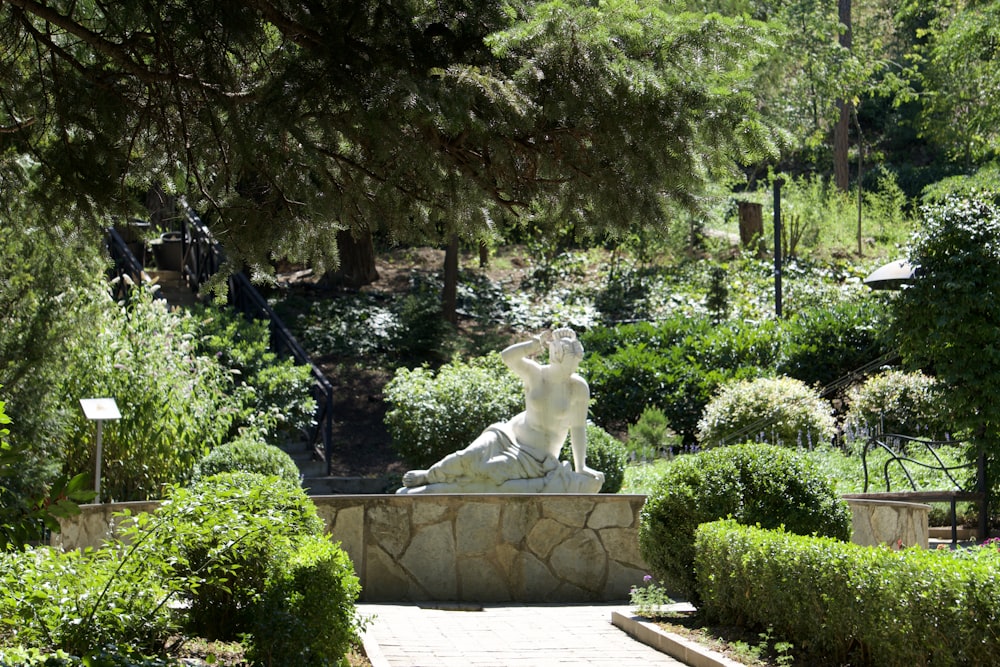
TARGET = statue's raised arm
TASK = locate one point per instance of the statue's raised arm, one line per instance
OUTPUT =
(521, 455)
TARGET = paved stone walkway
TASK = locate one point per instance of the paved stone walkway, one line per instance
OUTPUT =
(408, 635)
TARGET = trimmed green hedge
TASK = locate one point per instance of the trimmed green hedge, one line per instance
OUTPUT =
(840, 603)
(305, 617)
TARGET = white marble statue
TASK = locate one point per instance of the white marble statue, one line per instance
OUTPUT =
(522, 454)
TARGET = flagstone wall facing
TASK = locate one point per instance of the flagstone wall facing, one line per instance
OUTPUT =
(465, 547)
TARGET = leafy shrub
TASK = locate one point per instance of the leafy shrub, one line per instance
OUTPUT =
(247, 454)
(945, 320)
(906, 403)
(624, 383)
(306, 616)
(229, 533)
(183, 384)
(781, 411)
(272, 394)
(79, 602)
(604, 453)
(824, 343)
(107, 656)
(674, 366)
(849, 604)
(174, 403)
(752, 483)
(433, 414)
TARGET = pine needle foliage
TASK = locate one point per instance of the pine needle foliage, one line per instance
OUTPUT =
(288, 122)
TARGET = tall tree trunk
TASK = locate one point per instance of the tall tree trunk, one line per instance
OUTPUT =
(841, 167)
(357, 260)
(449, 295)
(752, 226)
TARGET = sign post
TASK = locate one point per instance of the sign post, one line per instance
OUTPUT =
(99, 410)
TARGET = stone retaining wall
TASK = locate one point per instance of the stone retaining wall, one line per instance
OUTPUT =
(888, 522)
(465, 547)
(499, 548)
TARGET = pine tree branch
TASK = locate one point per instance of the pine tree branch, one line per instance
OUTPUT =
(109, 49)
(291, 29)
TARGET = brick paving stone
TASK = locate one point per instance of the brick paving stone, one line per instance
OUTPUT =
(408, 635)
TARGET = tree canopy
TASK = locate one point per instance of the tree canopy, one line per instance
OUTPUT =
(945, 321)
(288, 121)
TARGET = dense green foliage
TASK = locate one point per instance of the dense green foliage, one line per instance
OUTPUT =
(79, 602)
(409, 329)
(246, 454)
(604, 453)
(108, 656)
(677, 364)
(946, 321)
(50, 279)
(272, 393)
(229, 531)
(831, 339)
(435, 413)
(674, 365)
(841, 603)
(419, 118)
(305, 617)
(779, 411)
(228, 556)
(23, 518)
(753, 484)
(174, 402)
(183, 384)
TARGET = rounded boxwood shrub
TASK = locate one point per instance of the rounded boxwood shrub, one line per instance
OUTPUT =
(307, 617)
(752, 483)
(247, 454)
(433, 414)
(604, 453)
(779, 411)
(906, 403)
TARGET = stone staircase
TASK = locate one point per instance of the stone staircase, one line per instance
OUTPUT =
(312, 469)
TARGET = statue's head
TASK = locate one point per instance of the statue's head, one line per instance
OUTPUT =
(565, 347)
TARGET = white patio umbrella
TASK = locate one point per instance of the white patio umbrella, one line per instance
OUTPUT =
(891, 276)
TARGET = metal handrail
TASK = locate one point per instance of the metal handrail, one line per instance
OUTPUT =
(890, 443)
(125, 267)
(897, 456)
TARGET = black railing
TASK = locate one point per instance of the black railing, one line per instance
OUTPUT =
(125, 269)
(908, 454)
(202, 259)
